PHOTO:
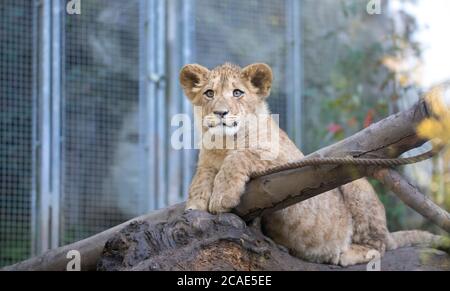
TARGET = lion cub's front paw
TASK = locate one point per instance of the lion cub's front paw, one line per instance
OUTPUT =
(197, 204)
(222, 202)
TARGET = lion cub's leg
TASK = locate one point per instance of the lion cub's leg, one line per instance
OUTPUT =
(368, 215)
(230, 181)
(201, 189)
(357, 254)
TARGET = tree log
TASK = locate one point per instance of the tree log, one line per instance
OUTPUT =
(199, 241)
(386, 139)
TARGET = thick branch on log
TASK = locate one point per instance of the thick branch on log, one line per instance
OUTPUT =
(413, 198)
(386, 139)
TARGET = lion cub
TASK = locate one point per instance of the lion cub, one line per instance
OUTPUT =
(341, 226)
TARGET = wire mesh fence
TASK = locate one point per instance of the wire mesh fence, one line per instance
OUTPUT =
(102, 172)
(245, 32)
(17, 29)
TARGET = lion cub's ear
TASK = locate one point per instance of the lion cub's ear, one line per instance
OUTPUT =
(191, 78)
(260, 76)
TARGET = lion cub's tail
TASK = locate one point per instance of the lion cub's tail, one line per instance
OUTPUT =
(416, 238)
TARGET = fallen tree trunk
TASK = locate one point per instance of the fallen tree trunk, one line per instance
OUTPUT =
(386, 139)
(199, 241)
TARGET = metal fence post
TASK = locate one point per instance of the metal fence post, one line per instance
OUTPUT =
(173, 95)
(188, 34)
(35, 129)
(146, 103)
(56, 91)
(49, 125)
(294, 69)
(153, 100)
(158, 77)
(44, 194)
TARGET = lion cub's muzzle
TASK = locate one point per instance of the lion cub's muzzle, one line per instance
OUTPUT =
(224, 125)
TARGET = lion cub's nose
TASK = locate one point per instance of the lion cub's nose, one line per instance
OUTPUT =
(221, 113)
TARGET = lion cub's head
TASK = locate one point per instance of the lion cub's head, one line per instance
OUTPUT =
(227, 94)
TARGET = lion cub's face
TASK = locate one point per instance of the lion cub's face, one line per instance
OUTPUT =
(227, 94)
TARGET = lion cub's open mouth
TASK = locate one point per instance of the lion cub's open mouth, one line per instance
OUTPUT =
(224, 124)
(223, 127)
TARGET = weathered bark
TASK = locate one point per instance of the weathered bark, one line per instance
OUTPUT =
(411, 196)
(386, 139)
(200, 241)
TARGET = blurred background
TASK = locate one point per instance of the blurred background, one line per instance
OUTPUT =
(86, 98)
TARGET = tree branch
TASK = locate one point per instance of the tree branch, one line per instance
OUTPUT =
(411, 196)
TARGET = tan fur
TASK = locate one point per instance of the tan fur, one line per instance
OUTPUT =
(338, 227)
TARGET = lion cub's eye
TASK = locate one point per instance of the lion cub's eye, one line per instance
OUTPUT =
(237, 93)
(209, 93)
